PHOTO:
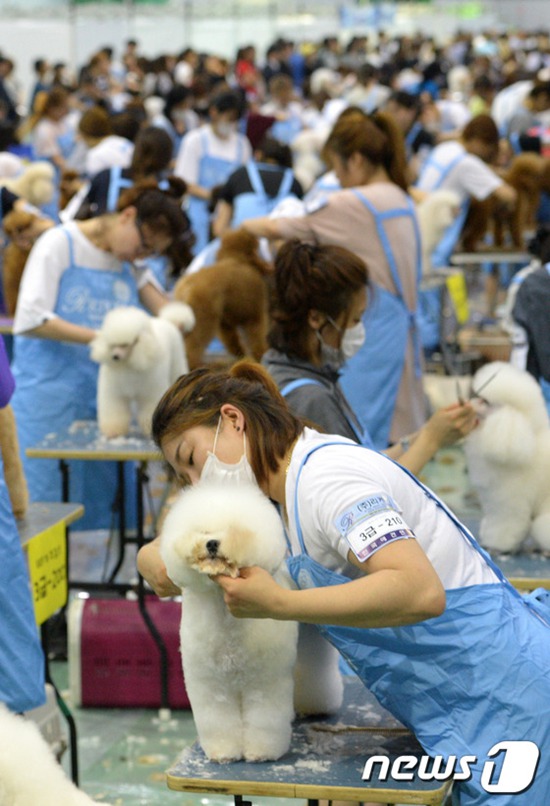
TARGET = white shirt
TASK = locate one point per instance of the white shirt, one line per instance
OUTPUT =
(48, 260)
(46, 134)
(110, 152)
(339, 481)
(192, 149)
(469, 177)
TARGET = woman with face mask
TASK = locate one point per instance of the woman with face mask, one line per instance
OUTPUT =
(208, 156)
(440, 637)
(321, 295)
(372, 216)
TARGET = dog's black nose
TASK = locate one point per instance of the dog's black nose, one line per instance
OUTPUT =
(116, 357)
(212, 547)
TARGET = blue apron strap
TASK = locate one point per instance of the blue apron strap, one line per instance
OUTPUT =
(71, 248)
(460, 526)
(116, 183)
(299, 382)
(255, 179)
(290, 387)
(286, 184)
(379, 218)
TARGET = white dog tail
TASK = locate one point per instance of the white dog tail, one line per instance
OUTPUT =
(180, 314)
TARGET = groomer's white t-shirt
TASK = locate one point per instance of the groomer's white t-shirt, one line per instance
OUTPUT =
(469, 176)
(48, 260)
(350, 497)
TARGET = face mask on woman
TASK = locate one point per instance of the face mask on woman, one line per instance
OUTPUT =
(352, 339)
(216, 470)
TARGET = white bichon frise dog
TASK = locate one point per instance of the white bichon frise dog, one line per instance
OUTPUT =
(140, 356)
(508, 458)
(238, 672)
(29, 772)
(435, 213)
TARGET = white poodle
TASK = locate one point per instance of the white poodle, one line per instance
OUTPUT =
(238, 672)
(508, 458)
(435, 213)
(140, 357)
(29, 772)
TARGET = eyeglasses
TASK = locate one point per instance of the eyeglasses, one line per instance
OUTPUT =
(145, 248)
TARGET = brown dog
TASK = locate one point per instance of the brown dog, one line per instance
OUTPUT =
(230, 299)
(529, 175)
(22, 230)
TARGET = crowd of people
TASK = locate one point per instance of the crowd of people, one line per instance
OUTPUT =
(322, 150)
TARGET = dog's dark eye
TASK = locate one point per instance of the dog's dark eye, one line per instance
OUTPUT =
(190, 461)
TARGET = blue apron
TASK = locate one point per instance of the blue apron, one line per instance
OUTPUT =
(444, 249)
(21, 657)
(56, 383)
(362, 437)
(212, 171)
(454, 680)
(258, 203)
(286, 130)
(371, 378)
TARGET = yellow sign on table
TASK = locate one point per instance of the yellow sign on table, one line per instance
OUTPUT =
(47, 557)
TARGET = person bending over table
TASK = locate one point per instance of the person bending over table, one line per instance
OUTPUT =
(74, 275)
(387, 573)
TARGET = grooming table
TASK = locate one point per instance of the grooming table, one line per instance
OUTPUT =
(465, 259)
(526, 571)
(83, 440)
(326, 760)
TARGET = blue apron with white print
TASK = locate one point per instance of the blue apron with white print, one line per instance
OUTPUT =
(56, 383)
(371, 378)
(477, 675)
(212, 171)
(21, 657)
(257, 203)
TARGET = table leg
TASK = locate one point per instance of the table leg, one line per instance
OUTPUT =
(141, 480)
(63, 707)
(121, 504)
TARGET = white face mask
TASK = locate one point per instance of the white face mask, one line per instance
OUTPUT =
(224, 129)
(216, 470)
(351, 342)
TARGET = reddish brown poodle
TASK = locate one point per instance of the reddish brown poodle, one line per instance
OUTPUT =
(529, 175)
(22, 229)
(229, 299)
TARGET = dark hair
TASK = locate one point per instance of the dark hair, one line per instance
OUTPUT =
(174, 97)
(539, 245)
(407, 100)
(276, 152)
(126, 124)
(310, 277)
(152, 152)
(196, 399)
(160, 209)
(481, 127)
(227, 102)
(377, 137)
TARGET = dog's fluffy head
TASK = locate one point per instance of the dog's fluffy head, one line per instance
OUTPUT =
(126, 338)
(218, 529)
(502, 384)
(512, 412)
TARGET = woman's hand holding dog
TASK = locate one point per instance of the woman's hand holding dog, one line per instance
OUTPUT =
(253, 594)
(153, 570)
